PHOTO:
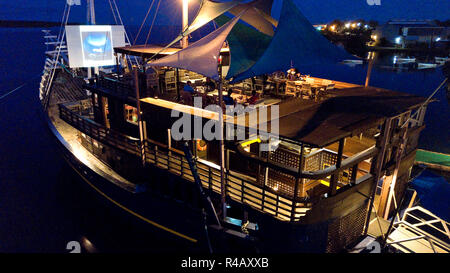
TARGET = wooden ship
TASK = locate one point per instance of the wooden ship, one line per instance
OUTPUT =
(341, 154)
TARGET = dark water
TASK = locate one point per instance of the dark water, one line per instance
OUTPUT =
(42, 203)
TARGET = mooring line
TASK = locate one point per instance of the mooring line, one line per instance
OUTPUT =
(19, 87)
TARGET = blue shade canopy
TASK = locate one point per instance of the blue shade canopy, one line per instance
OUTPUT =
(295, 42)
(247, 45)
(433, 191)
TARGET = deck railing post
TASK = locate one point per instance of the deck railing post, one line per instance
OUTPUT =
(140, 121)
(298, 180)
(377, 166)
(335, 176)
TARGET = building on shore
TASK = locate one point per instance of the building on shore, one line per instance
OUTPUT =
(411, 33)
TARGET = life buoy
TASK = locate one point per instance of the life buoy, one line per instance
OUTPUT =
(200, 147)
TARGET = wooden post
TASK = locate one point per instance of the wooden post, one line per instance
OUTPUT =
(177, 85)
(354, 174)
(298, 180)
(377, 167)
(140, 122)
(369, 69)
(335, 176)
(117, 65)
(401, 149)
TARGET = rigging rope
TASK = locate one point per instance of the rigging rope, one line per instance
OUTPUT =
(112, 10)
(49, 83)
(126, 34)
(143, 22)
(426, 102)
(153, 22)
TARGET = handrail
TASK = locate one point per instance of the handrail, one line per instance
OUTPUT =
(117, 87)
(320, 174)
(98, 132)
(346, 163)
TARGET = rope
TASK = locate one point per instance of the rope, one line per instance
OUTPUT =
(143, 22)
(19, 87)
(426, 101)
(112, 10)
(126, 34)
(153, 22)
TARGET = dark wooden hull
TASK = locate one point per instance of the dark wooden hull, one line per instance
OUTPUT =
(172, 206)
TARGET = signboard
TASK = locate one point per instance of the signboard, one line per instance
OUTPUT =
(93, 45)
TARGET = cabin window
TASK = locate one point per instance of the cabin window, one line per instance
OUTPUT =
(131, 114)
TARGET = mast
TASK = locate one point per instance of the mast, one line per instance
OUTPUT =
(92, 11)
(185, 22)
(91, 20)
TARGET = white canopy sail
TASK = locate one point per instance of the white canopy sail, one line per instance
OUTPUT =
(209, 10)
(258, 15)
(201, 56)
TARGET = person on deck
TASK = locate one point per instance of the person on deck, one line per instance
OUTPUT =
(228, 100)
(254, 98)
(188, 92)
(210, 85)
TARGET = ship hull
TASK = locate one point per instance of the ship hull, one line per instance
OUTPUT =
(172, 206)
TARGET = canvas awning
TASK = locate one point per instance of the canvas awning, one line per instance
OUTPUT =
(295, 42)
(202, 56)
(246, 44)
(258, 15)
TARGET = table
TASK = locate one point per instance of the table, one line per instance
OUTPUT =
(277, 82)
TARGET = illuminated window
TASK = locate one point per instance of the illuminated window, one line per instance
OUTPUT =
(131, 114)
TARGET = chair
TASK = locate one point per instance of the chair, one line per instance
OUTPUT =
(291, 88)
(324, 90)
(306, 90)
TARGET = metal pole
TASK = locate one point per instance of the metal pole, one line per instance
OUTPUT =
(222, 147)
(185, 22)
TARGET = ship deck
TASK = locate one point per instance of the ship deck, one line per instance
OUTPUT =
(66, 90)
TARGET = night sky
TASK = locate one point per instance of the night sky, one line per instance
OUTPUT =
(317, 11)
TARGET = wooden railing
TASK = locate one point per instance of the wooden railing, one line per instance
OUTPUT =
(119, 88)
(238, 187)
(255, 192)
(99, 132)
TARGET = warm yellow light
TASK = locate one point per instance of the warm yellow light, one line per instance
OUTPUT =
(251, 142)
(374, 37)
(333, 27)
(353, 25)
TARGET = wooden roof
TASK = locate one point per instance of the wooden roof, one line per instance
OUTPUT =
(145, 51)
(348, 112)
